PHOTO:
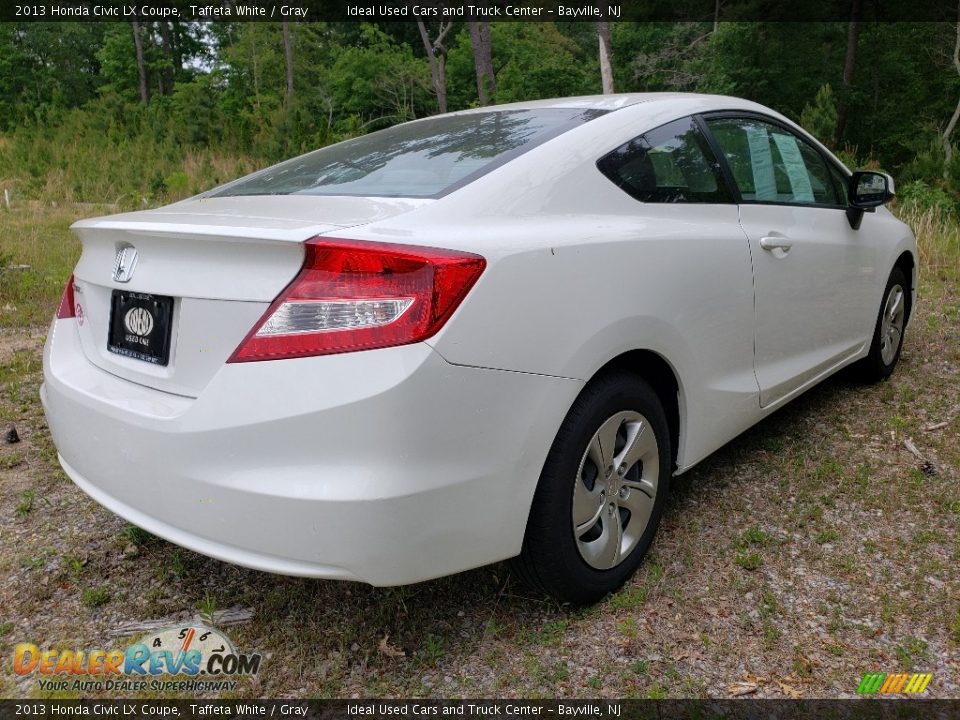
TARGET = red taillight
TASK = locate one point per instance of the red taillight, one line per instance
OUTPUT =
(66, 308)
(352, 295)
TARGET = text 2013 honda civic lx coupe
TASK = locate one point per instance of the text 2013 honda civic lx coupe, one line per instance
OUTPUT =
(471, 337)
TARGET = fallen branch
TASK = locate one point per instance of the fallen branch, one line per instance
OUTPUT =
(949, 419)
(220, 619)
(908, 444)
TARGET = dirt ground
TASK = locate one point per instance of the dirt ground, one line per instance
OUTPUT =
(813, 549)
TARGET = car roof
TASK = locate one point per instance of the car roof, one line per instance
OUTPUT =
(621, 100)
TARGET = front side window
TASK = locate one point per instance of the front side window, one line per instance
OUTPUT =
(670, 164)
(772, 165)
(840, 183)
(420, 159)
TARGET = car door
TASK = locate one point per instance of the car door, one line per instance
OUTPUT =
(686, 276)
(812, 271)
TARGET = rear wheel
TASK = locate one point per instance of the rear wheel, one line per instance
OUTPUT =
(887, 340)
(601, 493)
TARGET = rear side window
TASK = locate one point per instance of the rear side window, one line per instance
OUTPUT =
(421, 159)
(670, 164)
(770, 164)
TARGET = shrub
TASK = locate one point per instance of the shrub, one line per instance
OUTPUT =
(920, 197)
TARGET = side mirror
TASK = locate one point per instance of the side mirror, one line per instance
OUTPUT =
(868, 189)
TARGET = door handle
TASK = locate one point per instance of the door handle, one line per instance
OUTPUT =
(776, 243)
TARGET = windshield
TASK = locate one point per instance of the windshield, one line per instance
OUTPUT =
(421, 159)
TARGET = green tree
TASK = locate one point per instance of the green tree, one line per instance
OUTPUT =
(820, 116)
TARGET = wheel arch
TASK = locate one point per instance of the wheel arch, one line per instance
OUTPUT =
(665, 382)
(908, 264)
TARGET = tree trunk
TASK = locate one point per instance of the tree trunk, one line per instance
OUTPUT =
(437, 57)
(255, 65)
(141, 64)
(606, 67)
(947, 146)
(716, 15)
(288, 54)
(483, 61)
(168, 76)
(849, 66)
(176, 41)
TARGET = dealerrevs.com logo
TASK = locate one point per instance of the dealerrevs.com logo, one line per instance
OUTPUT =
(188, 652)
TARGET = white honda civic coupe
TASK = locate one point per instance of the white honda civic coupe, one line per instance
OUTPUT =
(484, 335)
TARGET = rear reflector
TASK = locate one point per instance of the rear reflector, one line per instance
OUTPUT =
(352, 295)
(67, 308)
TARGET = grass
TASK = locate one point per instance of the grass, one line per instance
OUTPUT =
(912, 652)
(75, 564)
(749, 560)
(25, 504)
(630, 598)
(39, 239)
(95, 597)
(826, 536)
(432, 651)
(754, 537)
(938, 240)
(178, 565)
(207, 606)
(48, 163)
(10, 460)
(138, 536)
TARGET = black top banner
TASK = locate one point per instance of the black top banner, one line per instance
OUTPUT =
(492, 10)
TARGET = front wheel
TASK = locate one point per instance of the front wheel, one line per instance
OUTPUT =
(887, 341)
(601, 493)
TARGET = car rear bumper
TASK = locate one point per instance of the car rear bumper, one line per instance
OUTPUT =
(388, 466)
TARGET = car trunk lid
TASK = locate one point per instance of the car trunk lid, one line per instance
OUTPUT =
(220, 260)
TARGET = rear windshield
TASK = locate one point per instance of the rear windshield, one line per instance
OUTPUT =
(421, 159)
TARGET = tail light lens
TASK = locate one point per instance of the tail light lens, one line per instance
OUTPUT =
(354, 295)
(67, 308)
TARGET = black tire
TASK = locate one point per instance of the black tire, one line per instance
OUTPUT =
(551, 560)
(873, 368)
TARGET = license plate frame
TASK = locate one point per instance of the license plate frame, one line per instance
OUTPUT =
(141, 325)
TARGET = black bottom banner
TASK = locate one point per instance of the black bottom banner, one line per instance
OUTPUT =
(885, 709)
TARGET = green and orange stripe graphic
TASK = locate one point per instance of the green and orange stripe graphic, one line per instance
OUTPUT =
(892, 683)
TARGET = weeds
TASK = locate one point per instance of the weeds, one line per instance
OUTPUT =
(827, 536)
(754, 537)
(95, 597)
(207, 606)
(25, 503)
(749, 560)
(938, 239)
(433, 651)
(138, 536)
(630, 598)
(8, 461)
(911, 652)
(74, 564)
(178, 565)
